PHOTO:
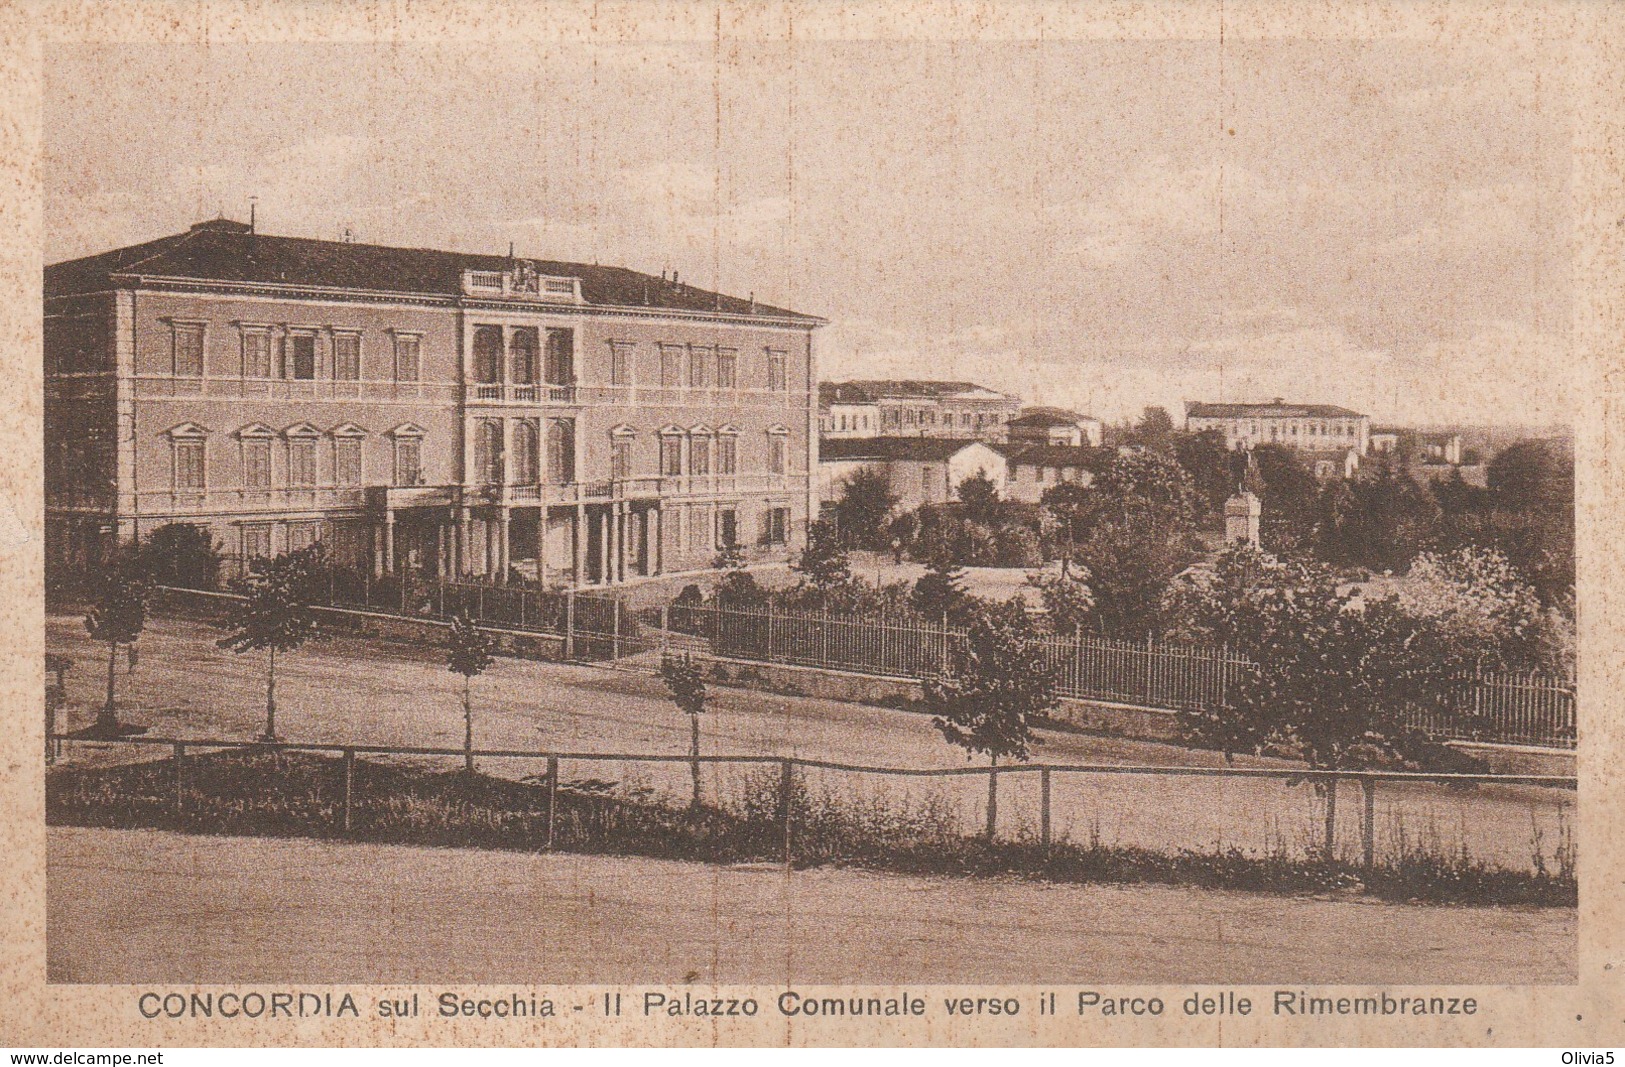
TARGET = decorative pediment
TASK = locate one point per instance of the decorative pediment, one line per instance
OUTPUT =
(671, 431)
(256, 431)
(728, 430)
(348, 429)
(623, 430)
(700, 429)
(301, 429)
(778, 429)
(187, 430)
(407, 429)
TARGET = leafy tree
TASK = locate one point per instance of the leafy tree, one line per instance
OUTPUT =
(940, 593)
(1071, 507)
(1332, 674)
(986, 701)
(1155, 430)
(1532, 476)
(738, 587)
(277, 614)
(1380, 523)
(979, 499)
(1212, 469)
(1129, 568)
(1483, 606)
(1144, 488)
(1290, 496)
(863, 508)
(824, 562)
(1068, 599)
(117, 617)
(182, 555)
(685, 680)
(468, 653)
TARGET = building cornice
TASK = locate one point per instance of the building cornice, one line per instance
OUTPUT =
(208, 286)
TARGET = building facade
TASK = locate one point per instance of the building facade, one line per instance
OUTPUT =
(1054, 426)
(920, 470)
(1032, 470)
(1314, 428)
(915, 408)
(419, 411)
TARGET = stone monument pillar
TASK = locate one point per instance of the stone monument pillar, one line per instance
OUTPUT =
(1241, 514)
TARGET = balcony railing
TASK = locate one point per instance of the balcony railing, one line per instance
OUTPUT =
(252, 501)
(525, 393)
(643, 488)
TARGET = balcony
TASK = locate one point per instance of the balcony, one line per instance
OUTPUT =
(523, 393)
(522, 282)
(252, 501)
(679, 487)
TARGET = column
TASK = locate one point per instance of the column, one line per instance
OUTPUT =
(389, 540)
(657, 540)
(377, 551)
(612, 514)
(440, 549)
(504, 522)
(579, 544)
(465, 543)
(541, 546)
(604, 525)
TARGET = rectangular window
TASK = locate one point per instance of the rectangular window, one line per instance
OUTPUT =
(302, 462)
(778, 526)
(407, 350)
(699, 455)
(727, 454)
(621, 354)
(257, 464)
(671, 366)
(408, 461)
(188, 350)
(727, 368)
(303, 535)
(776, 379)
(699, 367)
(620, 457)
(189, 465)
(257, 541)
(778, 454)
(346, 357)
(347, 461)
(560, 367)
(302, 356)
(699, 527)
(671, 455)
(727, 527)
(256, 354)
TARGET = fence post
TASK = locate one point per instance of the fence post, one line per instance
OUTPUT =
(1368, 823)
(1043, 806)
(180, 756)
(480, 606)
(770, 631)
(787, 771)
(615, 635)
(522, 598)
(405, 582)
(349, 786)
(552, 797)
(570, 624)
(664, 624)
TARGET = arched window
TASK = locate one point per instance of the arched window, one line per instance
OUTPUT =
(525, 453)
(488, 451)
(561, 451)
(488, 354)
(522, 356)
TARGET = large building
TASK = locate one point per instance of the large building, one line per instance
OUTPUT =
(920, 470)
(1054, 426)
(1331, 439)
(421, 411)
(914, 408)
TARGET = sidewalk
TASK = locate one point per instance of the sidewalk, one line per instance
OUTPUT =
(149, 907)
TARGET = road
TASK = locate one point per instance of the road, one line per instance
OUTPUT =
(151, 907)
(355, 691)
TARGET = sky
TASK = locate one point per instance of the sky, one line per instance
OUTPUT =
(1098, 224)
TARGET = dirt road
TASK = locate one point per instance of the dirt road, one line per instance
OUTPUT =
(353, 691)
(150, 907)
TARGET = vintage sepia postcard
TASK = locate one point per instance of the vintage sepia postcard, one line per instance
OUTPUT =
(893, 523)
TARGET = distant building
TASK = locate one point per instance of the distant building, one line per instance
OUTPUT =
(1439, 449)
(920, 470)
(914, 408)
(1334, 439)
(1384, 440)
(1054, 426)
(1033, 469)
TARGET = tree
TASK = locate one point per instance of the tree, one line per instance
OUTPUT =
(979, 499)
(1485, 608)
(1155, 430)
(1331, 675)
(468, 653)
(685, 680)
(1290, 497)
(1071, 507)
(1532, 475)
(1380, 523)
(823, 562)
(1145, 488)
(940, 593)
(1129, 568)
(182, 555)
(738, 587)
(1212, 469)
(277, 613)
(117, 617)
(985, 701)
(862, 509)
(1068, 599)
